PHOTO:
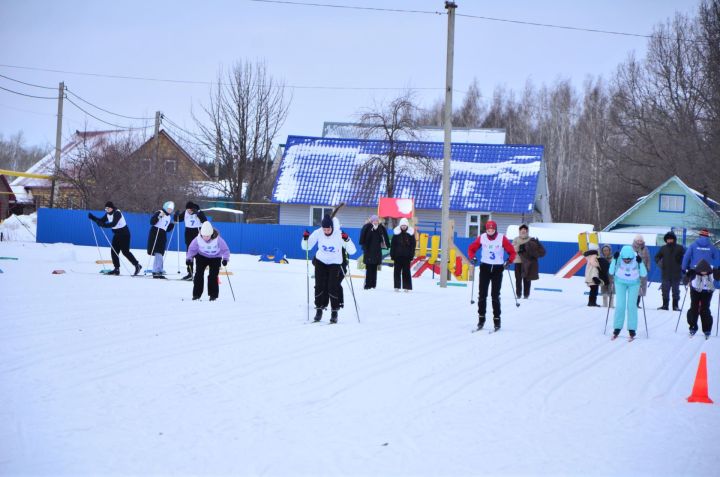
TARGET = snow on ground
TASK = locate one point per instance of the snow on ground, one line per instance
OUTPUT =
(19, 228)
(118, 375)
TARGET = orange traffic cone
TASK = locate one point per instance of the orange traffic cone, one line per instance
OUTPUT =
(700, 388)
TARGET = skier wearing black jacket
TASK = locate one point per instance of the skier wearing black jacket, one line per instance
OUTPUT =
(162, 223)
(193, 218)
(121, 236)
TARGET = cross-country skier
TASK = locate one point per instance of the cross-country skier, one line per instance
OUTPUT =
(209, 251)
(162, 223)
(121, 237)
(193, 218)
(492, 246)
(701, 284)
(627, 268)
(330, 241)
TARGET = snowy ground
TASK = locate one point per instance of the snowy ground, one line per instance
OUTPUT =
(117, 375)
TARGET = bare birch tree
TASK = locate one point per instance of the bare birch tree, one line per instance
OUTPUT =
(246, 110)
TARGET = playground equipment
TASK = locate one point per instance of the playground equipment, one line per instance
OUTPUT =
(586, 241)
(458, 264)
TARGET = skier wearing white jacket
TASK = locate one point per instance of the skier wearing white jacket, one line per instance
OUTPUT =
(330, 241)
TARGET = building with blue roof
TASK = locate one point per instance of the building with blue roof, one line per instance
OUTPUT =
(503, 182)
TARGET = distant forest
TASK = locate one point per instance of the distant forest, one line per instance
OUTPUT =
(618, 138)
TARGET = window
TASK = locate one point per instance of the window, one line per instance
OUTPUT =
(475, 224)
(170, 165)
(317, 214)
(672, 203)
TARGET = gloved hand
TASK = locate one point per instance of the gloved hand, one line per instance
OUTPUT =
(691, 273)
(686, 280)
(224, 262)
(92, 217)
(616, 255)
(345, 236)
(161, 214)
(473, 261)
(638, 259)
(506, 265)
(597, 281)
(188, 262)
(716, 274)
(521, 248)
(306, 235)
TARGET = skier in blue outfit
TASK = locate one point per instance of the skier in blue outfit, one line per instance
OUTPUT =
(627, 268)
(701, 249)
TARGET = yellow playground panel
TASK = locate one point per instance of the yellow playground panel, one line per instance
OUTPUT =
(588, 240)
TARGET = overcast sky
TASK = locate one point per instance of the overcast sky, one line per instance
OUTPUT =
(317, 50)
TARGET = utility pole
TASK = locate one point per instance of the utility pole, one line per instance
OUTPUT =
(158, 116)
(445, 230)
(55, 189)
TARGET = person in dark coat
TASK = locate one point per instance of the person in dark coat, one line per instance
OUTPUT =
(162, 223)
(193, 218)
(530, 251)
(402, 251)
(115, 220)
(373, 239)
(669, 259)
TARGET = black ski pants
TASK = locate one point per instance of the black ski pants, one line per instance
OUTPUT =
(700, 306)
(666, 286)
(370, 276)
(327, 282)
(522, 285)
(121, 244)
(190, 234)
(213, 264)
(401, 273)
(592, 299)
(490, 274)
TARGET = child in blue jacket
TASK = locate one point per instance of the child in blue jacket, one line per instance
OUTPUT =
(626, 269)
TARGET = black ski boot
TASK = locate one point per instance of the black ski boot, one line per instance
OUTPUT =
(664, 306)
(114, 271)
(318, 314)
(481, 322)
(616, 333)
(196, 298)
(333, 316)
(632, 335)
(496, 322)
(213, 298)
(138, 267)
(675, 305)
(159, 275)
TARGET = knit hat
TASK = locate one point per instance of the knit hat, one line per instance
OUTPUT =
(668, 236)
(490, 224)
(704, 232)
(110, 205)
(207, 229)
(373, 218)
(192, 205)
(327, 222)
(523, 226)
(639, 239)
(590, 252)
(169, 206)
(404, 222)
(703, 267)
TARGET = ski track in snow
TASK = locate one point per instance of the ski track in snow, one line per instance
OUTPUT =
(108, 375)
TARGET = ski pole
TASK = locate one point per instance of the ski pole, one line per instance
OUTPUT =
(229, 283)
(177, 226)
(607, 315)
(642, 299)
(169, 244)
(115, 252)
(717, 318)
(512, 287)
(681, 308)
(307, 280)
(472, 286)
(352, 290)
(152, 250)
(97, 245)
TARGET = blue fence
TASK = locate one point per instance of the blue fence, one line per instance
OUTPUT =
(73, 226)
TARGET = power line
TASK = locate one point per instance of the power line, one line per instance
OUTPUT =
(106, 111)
(350, 7)
(28, 84)
(28, 95)
(102, 120)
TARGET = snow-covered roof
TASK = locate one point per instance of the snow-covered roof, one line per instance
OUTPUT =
(485, 177)
(46, 165)
(21, 195)
(427, 133)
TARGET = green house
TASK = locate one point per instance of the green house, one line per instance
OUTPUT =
(673, 205)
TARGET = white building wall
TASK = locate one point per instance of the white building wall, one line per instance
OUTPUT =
(356, 217)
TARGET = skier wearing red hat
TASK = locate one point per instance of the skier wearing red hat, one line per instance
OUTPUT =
(492, 246)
